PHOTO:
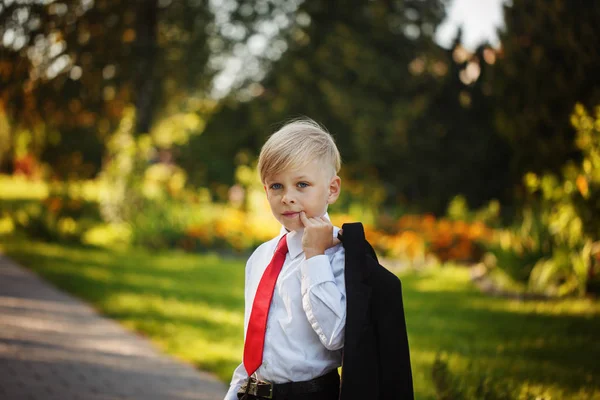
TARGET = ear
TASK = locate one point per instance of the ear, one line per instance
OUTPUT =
(335, 187)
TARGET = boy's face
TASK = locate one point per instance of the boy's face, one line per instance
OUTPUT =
(309, 189)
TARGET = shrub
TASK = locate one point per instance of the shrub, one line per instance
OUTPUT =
(570, 213)
(59, 217)
(517, 249)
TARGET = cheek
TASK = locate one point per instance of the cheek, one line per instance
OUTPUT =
(271, 198)
(318, 199)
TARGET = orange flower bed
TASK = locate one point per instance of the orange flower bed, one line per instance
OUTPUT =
(411, 238)
(415, 236)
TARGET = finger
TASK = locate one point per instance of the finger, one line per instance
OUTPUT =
(303, 218)
(317, 221)
(336, 241)
(320, 222)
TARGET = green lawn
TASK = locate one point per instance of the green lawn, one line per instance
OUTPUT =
(192, 307)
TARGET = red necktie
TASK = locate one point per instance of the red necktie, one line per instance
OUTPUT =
(257, 325)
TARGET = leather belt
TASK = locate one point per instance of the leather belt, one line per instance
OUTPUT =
(268, 390)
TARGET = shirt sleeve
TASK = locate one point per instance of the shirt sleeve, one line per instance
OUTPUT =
(239, 377)
(324, 296)
(239, 374)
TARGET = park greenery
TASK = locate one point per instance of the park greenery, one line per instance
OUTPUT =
(464, 344)
(129, 133)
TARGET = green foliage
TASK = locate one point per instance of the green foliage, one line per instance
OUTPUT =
(160, 224)
(59, 218)
(546, 65)
(518, 248)
(554, 246)
(453, 146)
(421, 122)
(570, 212)
(122, 173)
(458, 210)
(349, 71)
(70, 69)
(148, 197)
(403, 118)
(56, 212)
(517, 262)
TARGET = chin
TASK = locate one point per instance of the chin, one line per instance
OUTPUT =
(292, 226)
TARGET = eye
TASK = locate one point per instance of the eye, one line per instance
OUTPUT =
(275, 186)
(303, 184)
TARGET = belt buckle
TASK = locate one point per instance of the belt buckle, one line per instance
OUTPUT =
(269, 395)
(256, 388)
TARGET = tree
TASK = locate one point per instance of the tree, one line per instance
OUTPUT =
(455, 148)
(347, 66)
(549, 61)
(393, 99)
(63, 73)
(70, 69)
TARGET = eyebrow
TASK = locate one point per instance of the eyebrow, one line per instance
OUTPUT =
(295, 178)
(270, 181)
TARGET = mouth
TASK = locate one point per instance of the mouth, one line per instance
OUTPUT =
(290, 214)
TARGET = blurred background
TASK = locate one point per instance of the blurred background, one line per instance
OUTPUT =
(470, 137)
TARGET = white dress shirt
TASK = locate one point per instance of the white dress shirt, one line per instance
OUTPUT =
(305, 325)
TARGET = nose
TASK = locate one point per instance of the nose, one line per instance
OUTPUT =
(287, 198)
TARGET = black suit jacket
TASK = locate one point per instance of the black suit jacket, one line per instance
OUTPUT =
(376, 360)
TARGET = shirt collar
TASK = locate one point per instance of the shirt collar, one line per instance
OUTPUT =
(294, 239)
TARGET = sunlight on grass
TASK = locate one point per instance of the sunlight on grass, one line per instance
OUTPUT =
(191, 305)
(421, 361)
(443, 279)
(579, 307)
(172, 308)
(531, 344)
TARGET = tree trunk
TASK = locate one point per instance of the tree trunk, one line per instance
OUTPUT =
(145, 49)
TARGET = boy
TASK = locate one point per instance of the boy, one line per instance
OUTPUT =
(295, 294)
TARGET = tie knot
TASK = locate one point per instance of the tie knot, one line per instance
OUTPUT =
(282, 247)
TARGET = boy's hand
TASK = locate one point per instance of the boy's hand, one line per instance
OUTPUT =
(318, 235)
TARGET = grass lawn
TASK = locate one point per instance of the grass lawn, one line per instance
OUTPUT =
(192, 307)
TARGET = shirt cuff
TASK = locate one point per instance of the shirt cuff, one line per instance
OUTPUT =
(316, 270)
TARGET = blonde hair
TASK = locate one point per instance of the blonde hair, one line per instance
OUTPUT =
(295, 145)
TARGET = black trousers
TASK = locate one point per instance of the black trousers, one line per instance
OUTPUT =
(331, 395)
